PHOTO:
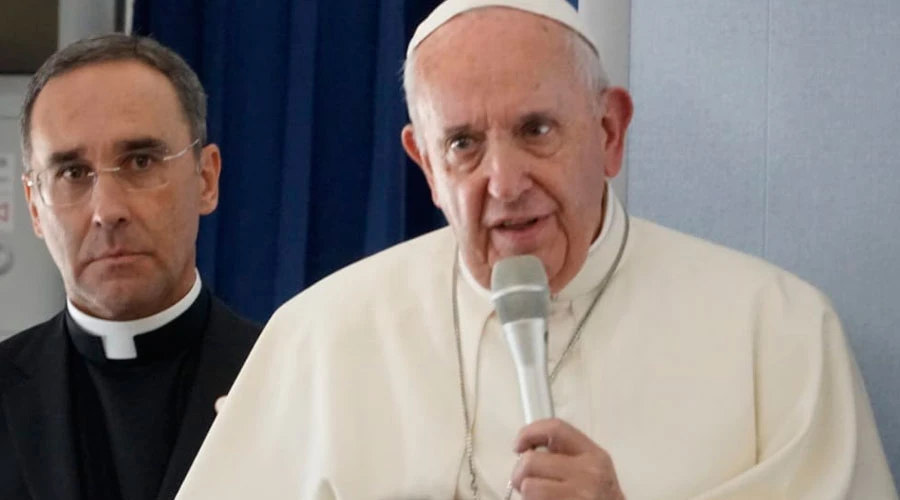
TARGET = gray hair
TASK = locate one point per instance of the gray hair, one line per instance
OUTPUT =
(120, 47)
(587, 64)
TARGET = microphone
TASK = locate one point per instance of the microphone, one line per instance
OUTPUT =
(521, 296)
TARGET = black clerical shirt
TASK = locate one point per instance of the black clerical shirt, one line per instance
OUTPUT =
(128, 412)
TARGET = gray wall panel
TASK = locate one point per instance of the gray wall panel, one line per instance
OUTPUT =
(698, 81)
(774, 127)
(834, 174)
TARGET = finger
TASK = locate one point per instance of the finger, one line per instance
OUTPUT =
(543, 465)
(544, 489)
(557, 435)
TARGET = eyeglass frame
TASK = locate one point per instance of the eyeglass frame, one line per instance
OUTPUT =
(32, 177)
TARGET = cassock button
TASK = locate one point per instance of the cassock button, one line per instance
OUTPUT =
(220, 403)
(560, 309)
(560, 402)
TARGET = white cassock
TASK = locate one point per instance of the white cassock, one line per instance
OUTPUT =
(706, 374)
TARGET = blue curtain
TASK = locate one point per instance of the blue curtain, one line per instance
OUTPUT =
(306, 103)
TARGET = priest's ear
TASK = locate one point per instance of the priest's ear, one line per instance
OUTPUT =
(31, 199)
(209, 168)
(414, 147)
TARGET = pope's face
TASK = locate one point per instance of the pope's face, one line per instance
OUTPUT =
(514, 143)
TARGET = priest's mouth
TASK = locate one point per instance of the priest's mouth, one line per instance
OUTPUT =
(117, 258)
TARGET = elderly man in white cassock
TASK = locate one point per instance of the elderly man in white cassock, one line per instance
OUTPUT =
(677, 369)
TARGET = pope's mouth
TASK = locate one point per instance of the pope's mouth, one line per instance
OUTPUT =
(518, 225)
(524, 232)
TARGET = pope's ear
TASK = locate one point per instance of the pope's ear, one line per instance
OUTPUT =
(416, 153)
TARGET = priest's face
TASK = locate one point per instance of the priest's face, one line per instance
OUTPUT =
(125, 248)
(516, 145)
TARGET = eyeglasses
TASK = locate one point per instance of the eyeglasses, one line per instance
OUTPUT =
(71, 183)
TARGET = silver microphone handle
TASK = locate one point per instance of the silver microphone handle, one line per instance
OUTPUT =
(527, 341)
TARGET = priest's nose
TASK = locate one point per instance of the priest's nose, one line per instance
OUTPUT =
(109, 203)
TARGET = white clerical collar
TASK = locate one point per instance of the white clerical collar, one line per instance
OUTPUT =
(600, 258)
(118, 336)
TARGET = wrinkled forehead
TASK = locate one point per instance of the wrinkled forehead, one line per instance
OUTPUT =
(100, 105)
(497, 54)
(496, 63)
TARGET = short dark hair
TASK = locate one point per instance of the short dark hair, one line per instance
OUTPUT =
(120, 47)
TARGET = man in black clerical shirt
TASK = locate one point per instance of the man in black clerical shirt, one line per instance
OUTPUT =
(112, 398)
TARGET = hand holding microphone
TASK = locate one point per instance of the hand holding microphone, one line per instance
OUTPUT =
(569, 464)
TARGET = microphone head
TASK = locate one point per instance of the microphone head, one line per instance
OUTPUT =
(520, 289)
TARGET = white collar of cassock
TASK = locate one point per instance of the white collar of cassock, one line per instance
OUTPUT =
(118, 336)
(601, 255)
